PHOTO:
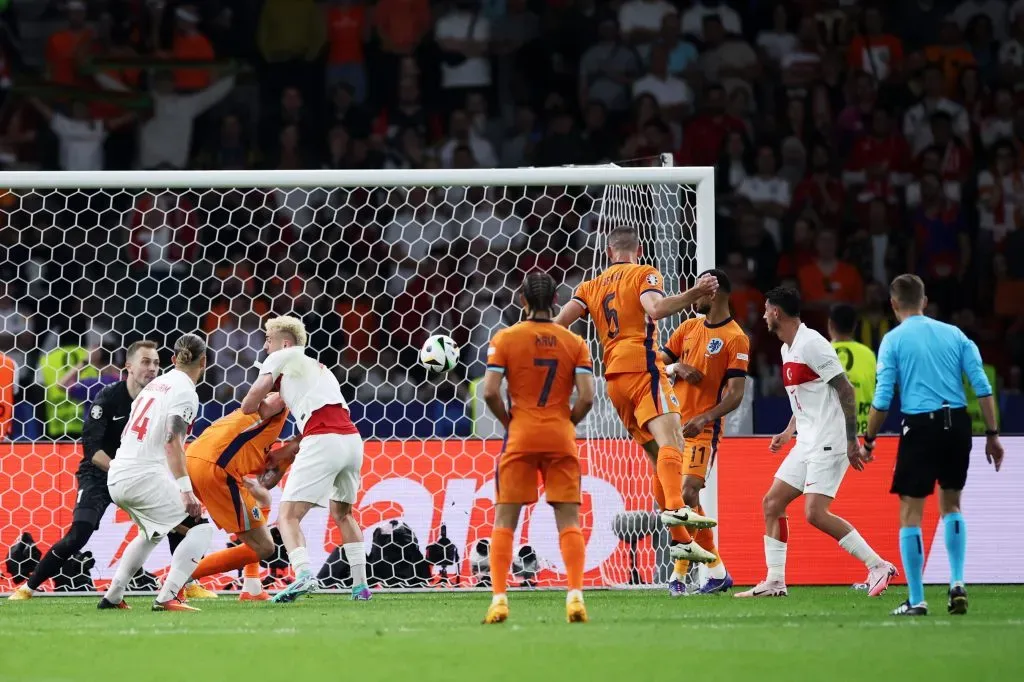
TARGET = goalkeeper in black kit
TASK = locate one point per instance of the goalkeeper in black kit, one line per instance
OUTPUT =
(105, 421)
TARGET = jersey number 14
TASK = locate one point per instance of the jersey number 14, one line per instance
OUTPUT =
(138, 422)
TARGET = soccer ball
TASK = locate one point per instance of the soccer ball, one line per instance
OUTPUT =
(439, 353)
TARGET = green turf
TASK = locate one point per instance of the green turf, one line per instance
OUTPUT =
(814, 634)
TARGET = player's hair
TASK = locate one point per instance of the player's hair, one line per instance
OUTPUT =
(787, 299)
(539, 291)
(189, 349)
(292, 326)
(724, 283)
(843, 317)
(623, 238)
(135, 347)
(908, 291)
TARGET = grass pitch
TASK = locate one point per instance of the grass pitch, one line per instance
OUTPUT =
(814, 634)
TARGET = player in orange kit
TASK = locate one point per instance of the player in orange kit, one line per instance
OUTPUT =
(221, 464)
(542, 363)
(710, 356)
(625, 302)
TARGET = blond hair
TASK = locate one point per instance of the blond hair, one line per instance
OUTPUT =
(292, 326)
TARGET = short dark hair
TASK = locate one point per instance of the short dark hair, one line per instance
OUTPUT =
(724, 284)
(134, 348)
(908, 291)
(539, 291)
(786, 299)
(623, 238)
(843, 318)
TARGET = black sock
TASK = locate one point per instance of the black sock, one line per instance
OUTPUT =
(174, 539)
(53, 561)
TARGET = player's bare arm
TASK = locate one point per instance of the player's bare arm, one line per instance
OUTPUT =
(101, 460)
(584, 397)
(569, 313)
(781, 439)
(848, 401)
(174, 448)
(659, 306)
(492, 396)
(681, 370)
(285, 453)
(731, 399)
(271, 406)
(257, 393)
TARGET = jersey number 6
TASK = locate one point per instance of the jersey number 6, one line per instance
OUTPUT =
(611, 316)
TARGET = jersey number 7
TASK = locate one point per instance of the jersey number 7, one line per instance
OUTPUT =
(545, 391)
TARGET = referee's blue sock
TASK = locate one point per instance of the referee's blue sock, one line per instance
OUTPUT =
(912, 551)
(956, 546)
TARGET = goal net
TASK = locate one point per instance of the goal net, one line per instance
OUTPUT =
(373, 262)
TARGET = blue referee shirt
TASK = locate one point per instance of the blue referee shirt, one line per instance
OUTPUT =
(928, 360)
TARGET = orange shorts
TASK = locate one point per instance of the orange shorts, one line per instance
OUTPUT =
(516, 481)
(639, 397)
(229, 503)
(699, 454)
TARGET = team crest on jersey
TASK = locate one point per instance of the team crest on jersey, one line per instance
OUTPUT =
(96, 412)
(256, 514)
(714, 346)
(672, 398)
(652, 279)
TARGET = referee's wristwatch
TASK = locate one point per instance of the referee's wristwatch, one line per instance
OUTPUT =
(869, 443)
(989, 433)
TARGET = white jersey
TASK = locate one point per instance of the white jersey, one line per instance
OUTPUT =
(306, 385)
(145, 429)
(807, 367)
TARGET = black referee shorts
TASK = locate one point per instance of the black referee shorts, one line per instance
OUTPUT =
(934, 447)
(93, 498)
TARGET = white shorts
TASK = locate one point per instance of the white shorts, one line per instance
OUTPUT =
(327, 467)
(814, 469)
(153, 501)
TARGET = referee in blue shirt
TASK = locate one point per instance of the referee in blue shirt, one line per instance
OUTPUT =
(928, 359)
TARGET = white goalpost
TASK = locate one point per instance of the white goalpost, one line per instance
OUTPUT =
(373, 261)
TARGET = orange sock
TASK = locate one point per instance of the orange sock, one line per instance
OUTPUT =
(574, 551)
(681, 567)
(501, 559)
(670, 474)
(251, 570)
(678, 533)
(225, 560)
(706, 539)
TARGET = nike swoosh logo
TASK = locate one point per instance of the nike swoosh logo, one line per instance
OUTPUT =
(117, 419)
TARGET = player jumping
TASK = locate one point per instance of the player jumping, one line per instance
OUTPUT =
(148, 478)
(625, 301)
(330, 456)
(221, 464)
(825, 415)
(542, 363)
(711, 355)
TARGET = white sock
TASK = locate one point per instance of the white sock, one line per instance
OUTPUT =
(572, 595)
(252, 585)
(676, 575)
(134, 557)
(857, 546)
(299, 559)
(185, 559)
(355, 553)
(717, 571)
(775, 559)
(499, 598)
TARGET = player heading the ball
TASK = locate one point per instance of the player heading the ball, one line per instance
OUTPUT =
(149, 480)
(625, 302)
(330, 456)
(542, 363)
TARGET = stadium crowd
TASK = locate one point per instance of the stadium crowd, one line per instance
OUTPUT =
(852, 140)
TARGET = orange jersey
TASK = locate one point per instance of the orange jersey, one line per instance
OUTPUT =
(720, 352)
(8, 373)
(629, 338)
(540, 361)
(238, 442)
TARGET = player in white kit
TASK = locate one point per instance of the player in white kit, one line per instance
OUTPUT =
(825, 417)
(148, 478)
(326, 472)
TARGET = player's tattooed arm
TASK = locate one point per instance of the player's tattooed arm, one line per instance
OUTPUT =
(848, 401)
(177, 427)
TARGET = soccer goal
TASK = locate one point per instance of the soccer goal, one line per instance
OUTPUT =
(373, 262)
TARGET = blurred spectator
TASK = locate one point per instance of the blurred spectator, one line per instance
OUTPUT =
(64, 416)
(348, 29)
(401, 25)
(16, 338)
(460, 133)
(520, 144)
(798, 249)
(674, 96)
(827, 280)
(64, 47)
(875, 51)
(408, 113)
(291, 36)
(235, 346)
(80, 136)
(734, 165)
(882, 150)
(802, 66)
(875, 319)
(346, 111)
(694, 18)
(778, 42)
(291, 154)
(950, 54)
(640, 20)
(940, 249)
(704, 134)
(562, 144)
(480, 120)
(190, 44)
(229, 149)
(819, 191)
(463, 35)
(1011, 55)
(746, 302)
(993, 11)
(916, 128)
(930, 161)
(683, 57)
(1000, 201)
(793, 169)
(163, 232)
(769, 194)
(998, 125)
(727, 59)
(984, 48)
(493, 226)
(957, 160)
(758, 249)
(918, 21)
(515, 45)
(973, 96)
(608, 69)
